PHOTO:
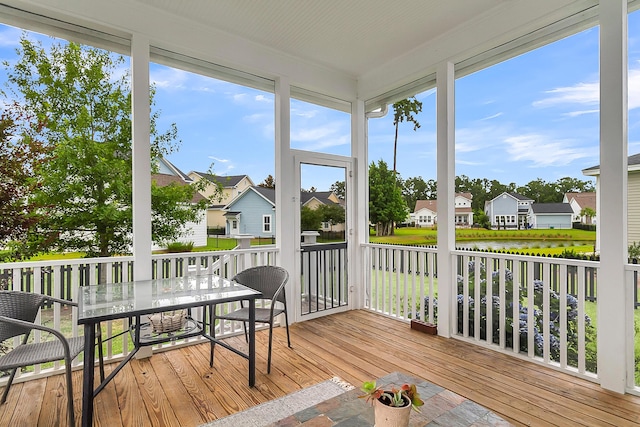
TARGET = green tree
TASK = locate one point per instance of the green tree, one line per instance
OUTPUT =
(18, 159)
(386, 205)
(573, 185)
(310, 219)
(339, 189)
(81, 103)
(588, 213)
(416, 188)
(332, 214)
(403, 111)
(268, 182)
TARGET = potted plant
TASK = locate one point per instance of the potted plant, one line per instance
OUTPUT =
(392, 408)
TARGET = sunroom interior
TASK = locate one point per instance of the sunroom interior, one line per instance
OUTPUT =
(359, 57)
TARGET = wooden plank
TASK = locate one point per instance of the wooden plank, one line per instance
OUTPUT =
(181, 402)
(155, 400)
(106, 409)
(28, 411)
(131, 403)
(355, 346)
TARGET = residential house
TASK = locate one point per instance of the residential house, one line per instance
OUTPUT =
(463, 211)
(550, 215)
(168, 174)
(231, 186)
(315, 199)
(252, 212)
(425, 213)
(633, 198)
(580, 201)
(508, 210)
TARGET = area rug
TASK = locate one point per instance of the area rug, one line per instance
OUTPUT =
(274, 410)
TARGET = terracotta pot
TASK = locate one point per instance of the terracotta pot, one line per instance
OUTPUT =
(392, 416)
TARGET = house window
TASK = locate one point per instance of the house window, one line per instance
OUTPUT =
(266, 223)
(429, 218)
(234, 224)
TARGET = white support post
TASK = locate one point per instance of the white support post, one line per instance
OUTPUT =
(141, 163)
(287, 197)
(358, 204)
(612, 218)
(445, 112)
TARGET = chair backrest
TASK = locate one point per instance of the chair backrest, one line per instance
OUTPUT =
(267, 279)
(18, 305)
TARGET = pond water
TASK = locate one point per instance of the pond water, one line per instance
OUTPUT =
(516, 244)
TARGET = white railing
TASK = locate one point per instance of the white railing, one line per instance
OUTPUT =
(536, 307)
(633, 291)
(551, 299)
(400, 279)
(62, 279)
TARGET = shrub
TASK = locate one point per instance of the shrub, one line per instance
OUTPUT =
(176, 247)
(521, 324)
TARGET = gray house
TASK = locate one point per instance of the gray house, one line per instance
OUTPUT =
(252, 212)
(508, 210)
(550, 215)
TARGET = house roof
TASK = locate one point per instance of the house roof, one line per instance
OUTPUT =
(374, 50)
(229, 181)
(633, 163)
(174, 169)
(162, 180)
(432, 205)
(322, 196)
(268, 194)
(515, 195)
(584, 200)
(551, 208)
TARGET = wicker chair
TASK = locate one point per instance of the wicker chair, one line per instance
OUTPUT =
(18, 311)
(270, 280)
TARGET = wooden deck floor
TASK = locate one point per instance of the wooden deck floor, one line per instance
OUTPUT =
(177, 388)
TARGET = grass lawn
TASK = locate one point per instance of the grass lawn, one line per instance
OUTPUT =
(428, 236)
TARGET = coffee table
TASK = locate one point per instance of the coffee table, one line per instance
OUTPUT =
(442, 407)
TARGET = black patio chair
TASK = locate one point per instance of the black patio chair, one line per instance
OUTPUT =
(18, 312)
(271, 281)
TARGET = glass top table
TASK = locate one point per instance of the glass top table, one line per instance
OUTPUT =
(100, 303)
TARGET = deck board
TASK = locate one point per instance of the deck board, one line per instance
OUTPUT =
(177, 387)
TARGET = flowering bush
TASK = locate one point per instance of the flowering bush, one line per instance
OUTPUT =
(521, 324)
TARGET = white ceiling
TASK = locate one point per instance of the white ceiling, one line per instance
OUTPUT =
(341, 48)
(352, 36)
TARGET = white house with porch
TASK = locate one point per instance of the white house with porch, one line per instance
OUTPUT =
(360, 56)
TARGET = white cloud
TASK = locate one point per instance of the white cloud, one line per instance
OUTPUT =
(581, 93)
(335, 141)
(239, 97)
(468, 163)
(544, 151)
(257, 118)
(478, 138)
(494, 116)
(307, 114)
(262, 98)
(580, 113)
(169, 78)
(218, 160)
(589, 93)
(10, 36)
(312, 134)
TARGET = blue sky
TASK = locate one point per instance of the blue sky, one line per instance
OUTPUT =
(534, 116)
